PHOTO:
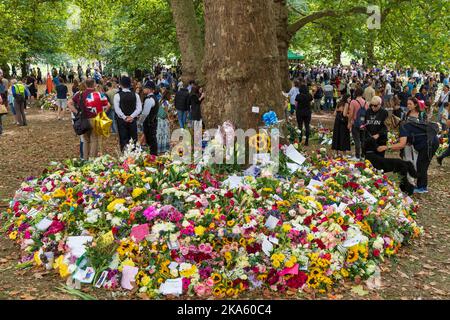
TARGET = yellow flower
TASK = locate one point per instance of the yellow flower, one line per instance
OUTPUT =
(13, 235)
(59, 193)
(289, 264)
(344, 273)
(37, 258)
(230, 292)
(230, 223)
(127, 262)
(216, 278)
(312, 282)
(137, 192)
(111, 207)
(45, 197)
(228, 256)
(286, 227)
(352, 255)
(199, 231)
(276, 263)
(340, 221)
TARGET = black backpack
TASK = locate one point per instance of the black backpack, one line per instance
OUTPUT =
(430, 130)
(81, 123)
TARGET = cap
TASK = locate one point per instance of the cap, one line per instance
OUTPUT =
(150, 85)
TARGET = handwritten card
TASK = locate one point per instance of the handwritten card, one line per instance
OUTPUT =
(32, 213)
(369, 197)
(272, 222)
(267, 247)
(255, 109)
(44, 224)
(293, 167)
(273, 240)
(138, 233)
(294, 155)
(172, 286)
(352, 242)
(128, 276)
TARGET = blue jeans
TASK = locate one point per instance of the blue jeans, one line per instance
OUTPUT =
(182, 116)
(13, 110)
(328, 103)
(112, 115)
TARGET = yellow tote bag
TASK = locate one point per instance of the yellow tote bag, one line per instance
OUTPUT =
(102, 125)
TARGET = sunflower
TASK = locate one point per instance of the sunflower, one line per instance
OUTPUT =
(216, 278)
(260, 142)
(352, 255)
(312, 282)
(315, 272)
(345, 273)
(340, 221)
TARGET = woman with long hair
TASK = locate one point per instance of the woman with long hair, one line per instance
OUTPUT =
(341, 133)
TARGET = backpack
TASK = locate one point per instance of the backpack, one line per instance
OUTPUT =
(360, 115)
(430, 130)
(81, 124)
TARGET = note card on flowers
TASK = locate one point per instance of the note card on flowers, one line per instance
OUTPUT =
(172, 286)
(272, 222)
(294, 155)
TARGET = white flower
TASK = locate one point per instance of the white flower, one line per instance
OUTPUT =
(378, 243)
(116, 221)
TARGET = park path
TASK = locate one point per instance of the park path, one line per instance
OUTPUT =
(421, 271)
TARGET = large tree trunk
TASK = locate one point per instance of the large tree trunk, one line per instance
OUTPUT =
(24, 65)
(189, 39)
(241, 62)
(371, 60)
(337, 48)
(283, 40)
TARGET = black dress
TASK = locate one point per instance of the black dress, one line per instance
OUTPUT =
(341, 134)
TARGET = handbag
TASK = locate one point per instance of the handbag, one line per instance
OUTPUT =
(81, 124)
(3, 109)
(102, 125)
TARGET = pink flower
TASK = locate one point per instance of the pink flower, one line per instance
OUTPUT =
(150, 213)
(210, 282)
(200, 289)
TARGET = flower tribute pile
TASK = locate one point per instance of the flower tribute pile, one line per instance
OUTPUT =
(161, 227)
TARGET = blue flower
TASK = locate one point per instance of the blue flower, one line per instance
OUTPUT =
(270, 118)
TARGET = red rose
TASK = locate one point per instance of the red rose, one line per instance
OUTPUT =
(376, 253)
(213, 197)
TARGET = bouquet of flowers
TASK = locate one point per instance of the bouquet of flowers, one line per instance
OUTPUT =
(162, 227)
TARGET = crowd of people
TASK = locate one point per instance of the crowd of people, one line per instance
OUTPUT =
(368, 104)
(134, 105)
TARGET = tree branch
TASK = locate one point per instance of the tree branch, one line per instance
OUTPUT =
(296, 26)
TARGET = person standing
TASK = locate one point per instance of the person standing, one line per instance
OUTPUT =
(195, 107)
(328, 90)
(149, 117)
(446, 153)
(182, 104)
(414, 132)
(110, 93)
(19, 93)
(61, 98)
(163, 130)
(341, 133)
(375, 129)
(39, 76)
(369, 92)
(293, 93)
(356, 119)
(90, 139)
(127, 106)
(303, 112)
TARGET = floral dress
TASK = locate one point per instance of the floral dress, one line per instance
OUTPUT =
(163, 129)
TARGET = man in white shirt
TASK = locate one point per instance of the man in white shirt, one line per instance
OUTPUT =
(128, 107)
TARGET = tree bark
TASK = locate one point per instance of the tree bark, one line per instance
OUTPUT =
(283, 39)
(189, 39)
(337, 48)
(241, 63)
